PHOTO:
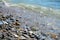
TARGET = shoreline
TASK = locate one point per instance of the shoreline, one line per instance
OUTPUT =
(36, 8)
(40, 9)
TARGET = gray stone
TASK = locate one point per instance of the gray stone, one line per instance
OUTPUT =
(26, 36)
(0, 34)
(22, 38)
(13, 29)
(1, 23)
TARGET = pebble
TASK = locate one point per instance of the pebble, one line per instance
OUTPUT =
(26, 36)
(15, 35)
(17, 23)
(1, 23)
(5, 22)
(22, 38)
(34, 28)
(54, 36)
(13, 29)
(0, 34)
(20, 33)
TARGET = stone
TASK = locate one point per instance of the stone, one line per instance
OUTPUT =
(8, 28)
(43, 37)
(20, 17)
(37, 36)
(32, 35)
(48, 38)
(17, 23)
(9, 16)
(28, 28)
(30, 32)
(26, 36)
(1, 23)
(34, 28)
(17, 19)
(21, 29)
(13, 29)
(15, 35)
(5, 22)
(11, 19)
(0, 34)
(54, 36)
(3, 18)
(43, 34)
(8, 38)
(22, 38)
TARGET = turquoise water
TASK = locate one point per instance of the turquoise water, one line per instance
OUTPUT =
(48, 3)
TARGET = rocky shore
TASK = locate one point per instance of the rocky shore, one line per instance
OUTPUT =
(17, 23)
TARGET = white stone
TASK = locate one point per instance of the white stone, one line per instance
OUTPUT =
(22, 37)
(15, 35)
(4, 22)
(30, 32)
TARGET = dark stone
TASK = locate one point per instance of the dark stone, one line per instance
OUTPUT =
(32, 36)
(43, 34)
(2, 36)
(7, 34)
(43, 39)
(0, 12)
(20, 17)
(8, 28)
(0, 27)
(11, 15)
(17, 20)
(8, 39)
(37, 37)
(11, 19)
(24, 32)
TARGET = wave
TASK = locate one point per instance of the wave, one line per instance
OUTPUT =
(37, 8)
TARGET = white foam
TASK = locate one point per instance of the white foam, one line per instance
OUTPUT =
(7, 4)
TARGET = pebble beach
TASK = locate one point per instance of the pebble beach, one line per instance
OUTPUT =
(27, 22)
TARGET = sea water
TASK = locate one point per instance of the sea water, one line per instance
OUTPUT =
(48, 3)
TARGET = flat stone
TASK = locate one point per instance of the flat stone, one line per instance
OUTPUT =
(30, 32)
(4, 22)
(15, 35)
(34, 28)
(17, 23)
(13, 29)
(26, 36)
(22, 38)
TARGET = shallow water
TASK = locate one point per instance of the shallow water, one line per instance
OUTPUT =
(47, 20)
(48, 3)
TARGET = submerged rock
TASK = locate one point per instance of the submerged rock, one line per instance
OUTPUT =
(1, 23)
